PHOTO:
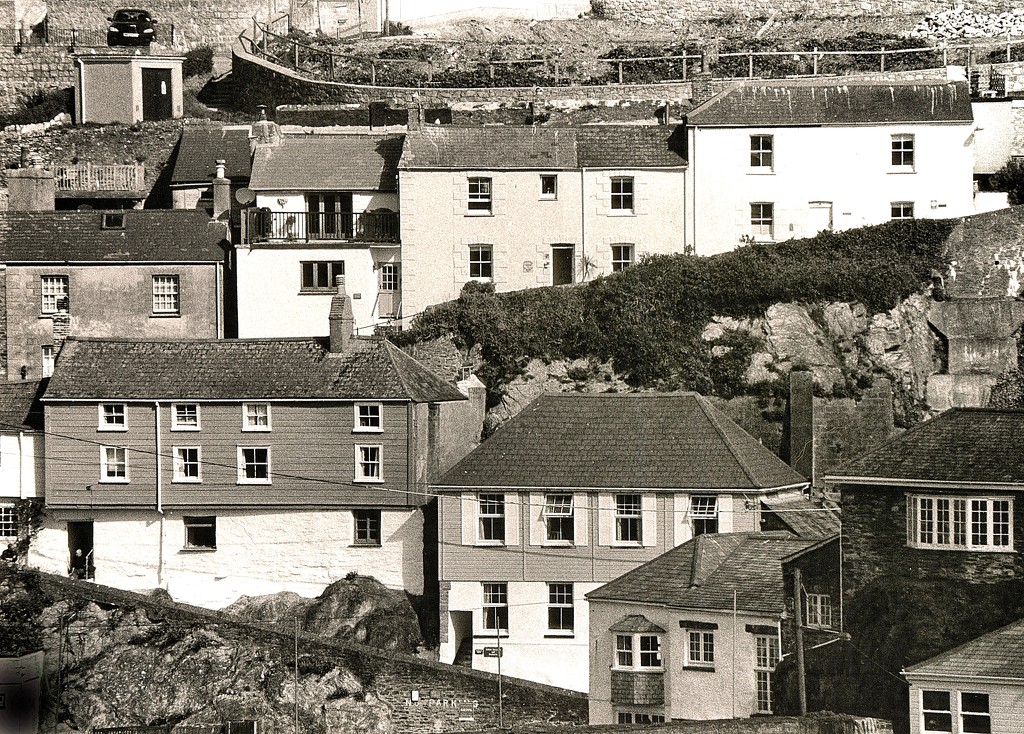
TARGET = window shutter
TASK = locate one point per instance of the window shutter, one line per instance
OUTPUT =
(725, 513)
(538, 530)
(649, 510)
(681, 518)
(605, 519)
(512, 529)
(468, 506)
(581, 518)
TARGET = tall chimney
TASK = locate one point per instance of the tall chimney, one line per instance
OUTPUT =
(341, 319)
(221, 193)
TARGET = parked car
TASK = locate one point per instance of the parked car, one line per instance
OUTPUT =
(131, 27)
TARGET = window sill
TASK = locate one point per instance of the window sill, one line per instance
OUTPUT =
(700, 668)
(490, 635)
(479, 214)
(902, 170)
(622, 213)
(318, 291)
(627, 544)
(364, 480)
(114, 481)
(256, 429)
(559, 544)
(186, 481)
(964, 549)
(637, 670)
(560, 636)
(198, 550)
(364, 429)
(756, 172)
(491, 543)
(165, 316)
(258, 482)
(112, 429)
(193, 429)
(358, 544)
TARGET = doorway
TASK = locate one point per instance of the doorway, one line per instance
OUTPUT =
(563, 264)
(819, 217)
(389, 290)
(80, 549)
(462, 631)
(330, 216)
(156, 94)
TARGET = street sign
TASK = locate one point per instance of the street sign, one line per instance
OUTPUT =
(493, 652)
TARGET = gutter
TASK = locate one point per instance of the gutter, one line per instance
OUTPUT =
(159, 495)
(920, 483)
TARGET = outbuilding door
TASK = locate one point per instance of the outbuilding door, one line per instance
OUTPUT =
(80, 534)
(156, 94)
(563, 264)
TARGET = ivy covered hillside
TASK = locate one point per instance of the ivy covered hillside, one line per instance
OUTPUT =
(649, 321)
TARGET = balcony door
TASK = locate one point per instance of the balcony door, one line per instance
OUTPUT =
(330, 216)
(389, 290)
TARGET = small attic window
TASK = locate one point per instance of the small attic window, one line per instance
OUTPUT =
(113, 220)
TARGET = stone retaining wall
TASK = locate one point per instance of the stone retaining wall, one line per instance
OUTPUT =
(34, 70)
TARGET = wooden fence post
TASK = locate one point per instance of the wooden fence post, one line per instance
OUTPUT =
(814, 62)
(750, 65)
(881, 60)
(295, 53)
(620, 72)
(373, 72)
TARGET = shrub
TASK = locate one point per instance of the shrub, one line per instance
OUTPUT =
(40, 107)
(1010, 178)
(198, 62)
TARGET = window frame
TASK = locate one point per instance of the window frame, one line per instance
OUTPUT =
(362, 462)
(902, 206)
(818, 611)
(242, 464)
(256, 427)
(636, 652)
(370, 519)
(178, 463)
(390, 278)
(333, 269)
(551, 178)
(978, 714)
(759, 154)
(65, 293)
(700, 649)
(703, 516)
(177, 425)
(49, 361)
(561, 601)
(478, 263)
(626, 512)
(958, 519)
(555, 511)
(903, 158)
(762, 221)
(479, 195)
(357, 418)
(198, 522)
(106, 465)
(174, 295)
(481, 517)
(620, 263)
(623, 195)
(8, 521)
(103, 424)
(499, 591)
(766, 659)
(947, 712)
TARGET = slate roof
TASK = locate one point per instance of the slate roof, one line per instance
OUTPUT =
(999, 654)
(240, 369)
(20, 408)
(619, 440)
(961, 445)
(703, 573)
(201, 147)
(814, 102)
(635, 623)
(805, 517)
(501, 147)
(172, 235)
(328, 162)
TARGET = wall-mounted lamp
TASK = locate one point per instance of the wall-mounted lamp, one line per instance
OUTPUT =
(24, 371)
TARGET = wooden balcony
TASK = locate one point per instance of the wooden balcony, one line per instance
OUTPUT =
(264, 225)
(87, 179)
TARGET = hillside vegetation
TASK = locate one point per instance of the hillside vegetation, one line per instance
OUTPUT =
(648, 320)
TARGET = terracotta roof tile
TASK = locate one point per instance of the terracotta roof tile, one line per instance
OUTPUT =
(239, 369)
(998, 654)
(826, 102)
(328, 162)
(642, 440)
(703, 573)
(201, 147)
(152, 235)
(974, 445)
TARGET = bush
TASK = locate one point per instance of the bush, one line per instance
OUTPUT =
(198, 62)
(1010, 178)
(40, 107)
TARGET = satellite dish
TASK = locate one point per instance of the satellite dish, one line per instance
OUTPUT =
(245, 196)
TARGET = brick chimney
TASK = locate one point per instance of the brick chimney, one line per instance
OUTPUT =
(264, 131)
(341, 319)
(221, 193)
(31, 188)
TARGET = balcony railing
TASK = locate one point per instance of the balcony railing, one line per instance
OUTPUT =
(91, 177)
(264, 225)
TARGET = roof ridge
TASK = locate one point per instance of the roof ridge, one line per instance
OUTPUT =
(943, 657)
(710, 411)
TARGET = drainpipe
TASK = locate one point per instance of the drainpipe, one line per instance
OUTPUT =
(583, 215)
(21, 465)
(81, 91)
(217, 277)
(159, 494)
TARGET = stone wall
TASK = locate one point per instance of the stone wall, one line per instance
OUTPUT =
(36, 69)
(681, 11)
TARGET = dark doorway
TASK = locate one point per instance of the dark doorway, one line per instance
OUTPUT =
(80, 549)
(156, 94)
(563, 265)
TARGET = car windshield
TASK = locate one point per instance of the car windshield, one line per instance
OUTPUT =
(129, 15)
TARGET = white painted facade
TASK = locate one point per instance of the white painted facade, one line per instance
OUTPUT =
(416, 12)
(21, 474)
(523, 227)
(530, 650)
(822, 177)
(258, 551)
(725, 689)
(271, 302)
(1005, 701)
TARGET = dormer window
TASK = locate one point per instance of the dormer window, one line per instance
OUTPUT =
(113, 220)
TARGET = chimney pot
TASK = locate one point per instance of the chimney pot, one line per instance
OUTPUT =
(341, 320)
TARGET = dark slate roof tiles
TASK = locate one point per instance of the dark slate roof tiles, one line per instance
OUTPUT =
(640, 440)
(823, 102)
(703, 573)
(806, 518)
(998, 654)
(972, 445)
(328, 162)
(201, 147)
(20, 408)
(240, 369)
(149, 235)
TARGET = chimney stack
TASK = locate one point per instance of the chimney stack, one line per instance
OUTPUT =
(31, 188)
(341, 319)
(264, 131)
(221, 193)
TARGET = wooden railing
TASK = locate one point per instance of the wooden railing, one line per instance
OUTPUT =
(264, 225)
(91, 177)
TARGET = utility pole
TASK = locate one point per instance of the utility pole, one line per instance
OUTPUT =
(501, 718)
(798, 590)
(295, 696)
